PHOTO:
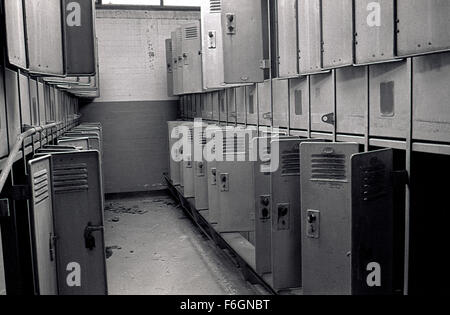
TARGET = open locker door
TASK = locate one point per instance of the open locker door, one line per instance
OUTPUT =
(82, 143)
(42, 230)
(78, 204)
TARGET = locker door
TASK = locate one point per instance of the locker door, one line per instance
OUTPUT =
(287, 38)
(390, 99)
(374, 31)
(309, 36)
(78, 204)
(82, 143)
(44, 36)
(326, 216)
(200, 176)
(169, 67)
(322, 102)
(192, 60)
(351, 99)
(423, 27)
(223, 110)
(12, 106)
(264, 106)
(245, 44)
(187, 165)
(25, 107)
(176, 88)
(251, 101)
(198, 105)
(280, 103)
(231, 104)
(240, 105)
(42, 231)
(15, 33)
(337, 32)
(3, 126)
(431, 112)
(299, 103)
(372, 220)
(34, 101)
(215, 106)
(207, 106)
(42, 105)
(212, 177)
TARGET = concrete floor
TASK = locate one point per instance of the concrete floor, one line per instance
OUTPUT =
(155, 249)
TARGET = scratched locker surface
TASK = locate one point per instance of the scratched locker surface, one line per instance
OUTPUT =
(299, 103)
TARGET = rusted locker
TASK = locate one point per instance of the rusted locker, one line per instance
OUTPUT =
(390, 99)
(223, 110)
(309, 36)
(12, 106)
(42, 105)
(251, 102)
(299, 103)
(264, 103)
(374, 31)
(431, 113)
(337, 33)
(351, 100)
(280, 103)
(169, 68)
(347, 235)
(15, 33)
(192, 58)
(34, 102)
(42, 229)
(3, 126)
(231, 106)
(245, 40)
(78, 216)
(287, 38)
(44, 40)
(322, 102)
(240, 105)
(200, 169)
(215, 105)
(423, 27)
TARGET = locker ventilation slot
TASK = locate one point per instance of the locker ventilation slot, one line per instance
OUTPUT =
(215, 6)
(69, 178)
(191, 32)
(328, 167)
(290, 162)
(40, 184)
(373, 182)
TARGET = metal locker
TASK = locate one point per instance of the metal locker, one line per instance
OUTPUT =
(423, 27)
(82, 143)
(187, 167)
(351, 99)
(169, 68)
(240, 105)
(390, 99)
(264, 103)
(245, 40)
(25, 108)
(44, 36)
(280, 103)
(78, 204)
(215, 105)
(3, 119)
(337, 33)
(34, 102)
(431, 113)
(374, 31)
(174, 62)
(349, 232)
(198, 105)
(251, 102)
(231, 105)
(42, 230)
(223, 110)
(212, 176)
(42, 105)
(192, 58)
(287, 38)
(309, 36)
(322, 102)
(12, 106)
(299, 103)
(177, 61)
(200, 169)
(15, 33)
(207, 106)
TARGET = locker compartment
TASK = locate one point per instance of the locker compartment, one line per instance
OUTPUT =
(78, 218)
(3, 126)
(322, 102)
(348, 235)
(287, 38)
(240, 105)
(309, 36)
(390, 99)
(34, 102)
(299, 103)
(337, 33)
(187, 167)
(44, 36)
(280, 103)
(245, 40)
(423, 27)
(351, 99)
(231, 106)
(192, 58)
(177, 48)
(264, 103)
(200, 175)
(94, 141)
(25, 108)
(207, 106)
(12, 106)
(15, 33)
(251, 102)
(80, 143)
(431, 113)
(374, 31)
(198, 105)
(215, 106)
(223, 110)
(212, 175)
(42, 105)
(169, 65)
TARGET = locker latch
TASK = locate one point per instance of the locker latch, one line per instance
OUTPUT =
(200, 169)
(212, 40)
(264, 202)
(231, 23)
(224, 182)
(283, 216)
(267, 115)
(264, 64)
(4, 208)
(214, 176)
(328, 119)
(313, 224)
(89, 239)
(51, 242)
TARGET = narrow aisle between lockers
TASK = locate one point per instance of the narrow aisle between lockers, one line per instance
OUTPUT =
(153, 248)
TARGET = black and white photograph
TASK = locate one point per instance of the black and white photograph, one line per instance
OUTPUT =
(224, 155)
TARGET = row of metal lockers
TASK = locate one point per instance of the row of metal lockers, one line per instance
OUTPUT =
(347, 65)
(66, 215)
(331, 245)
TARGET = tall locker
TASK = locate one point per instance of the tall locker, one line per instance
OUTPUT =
(169, 67)
(177, 55)
(299, 103)
(187, 167)
(309, 36)
(192, 58)
(200, 169)
(212, 176)
(287, 38)
(15, 33)
(174, 152)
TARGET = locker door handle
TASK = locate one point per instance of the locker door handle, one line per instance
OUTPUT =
(52, 243)
(89, 239)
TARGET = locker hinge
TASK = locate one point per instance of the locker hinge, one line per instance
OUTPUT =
(4, 208)
(264, 64)
(20, 192)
